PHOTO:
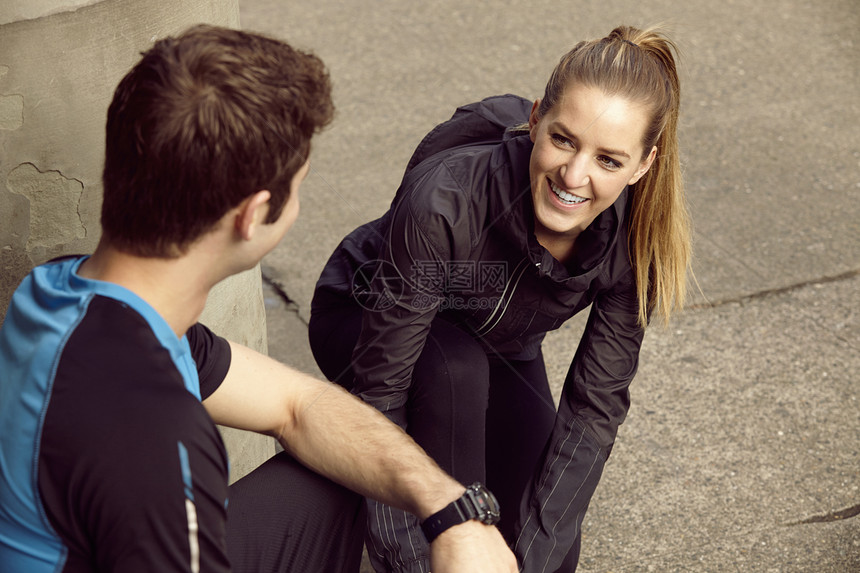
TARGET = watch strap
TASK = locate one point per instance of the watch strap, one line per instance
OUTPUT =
(476, 503)
(455, 513)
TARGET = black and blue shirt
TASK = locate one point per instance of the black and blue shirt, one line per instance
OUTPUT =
(108, 460)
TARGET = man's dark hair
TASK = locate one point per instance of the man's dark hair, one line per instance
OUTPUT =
(203, 121)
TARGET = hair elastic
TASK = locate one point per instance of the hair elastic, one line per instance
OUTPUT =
(631, 43)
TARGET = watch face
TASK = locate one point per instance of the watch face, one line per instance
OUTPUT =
(485, 503)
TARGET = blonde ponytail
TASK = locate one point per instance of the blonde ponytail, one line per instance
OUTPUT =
(640, 65)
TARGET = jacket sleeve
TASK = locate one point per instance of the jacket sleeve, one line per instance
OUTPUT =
(406, 285)
(594, 402)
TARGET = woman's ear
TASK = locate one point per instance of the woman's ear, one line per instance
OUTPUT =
(252, 212)
(644, 166)
(533, 120)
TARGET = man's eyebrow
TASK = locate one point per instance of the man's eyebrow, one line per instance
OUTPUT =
(573, 137)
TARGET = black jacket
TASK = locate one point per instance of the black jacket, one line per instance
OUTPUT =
(458, 242)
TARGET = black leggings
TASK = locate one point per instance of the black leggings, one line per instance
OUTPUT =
(482, 418)
(282, 517)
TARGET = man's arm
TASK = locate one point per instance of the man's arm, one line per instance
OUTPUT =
(351, 443)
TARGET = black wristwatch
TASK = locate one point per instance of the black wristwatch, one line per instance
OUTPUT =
(477, 503)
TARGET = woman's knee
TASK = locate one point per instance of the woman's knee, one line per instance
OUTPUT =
(452, 370)
(332, 334)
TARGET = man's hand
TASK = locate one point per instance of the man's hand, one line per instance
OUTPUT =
(471, 547)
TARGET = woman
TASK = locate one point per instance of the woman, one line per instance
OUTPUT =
(502, 230)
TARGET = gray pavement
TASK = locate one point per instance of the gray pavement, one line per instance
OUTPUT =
(741, 451)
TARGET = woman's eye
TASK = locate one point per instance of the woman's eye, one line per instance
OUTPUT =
(559, 139)
(608, 162)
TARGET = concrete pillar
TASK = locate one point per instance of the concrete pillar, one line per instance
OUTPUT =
(60, 61)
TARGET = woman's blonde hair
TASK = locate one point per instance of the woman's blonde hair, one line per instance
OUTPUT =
(640, 66)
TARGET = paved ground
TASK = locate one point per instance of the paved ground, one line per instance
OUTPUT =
(742, 448)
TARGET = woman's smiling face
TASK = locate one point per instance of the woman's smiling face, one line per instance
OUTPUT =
(587, 148)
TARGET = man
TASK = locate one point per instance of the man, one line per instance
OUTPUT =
(108, 460)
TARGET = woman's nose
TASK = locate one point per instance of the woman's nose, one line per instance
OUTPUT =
(575, 172)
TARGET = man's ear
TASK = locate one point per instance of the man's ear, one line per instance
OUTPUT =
(533, 120)
(644, 166)
(252, 212)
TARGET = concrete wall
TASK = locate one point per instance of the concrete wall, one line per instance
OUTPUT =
(60, 61)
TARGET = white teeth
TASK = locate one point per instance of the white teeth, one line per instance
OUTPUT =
(567, 198)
